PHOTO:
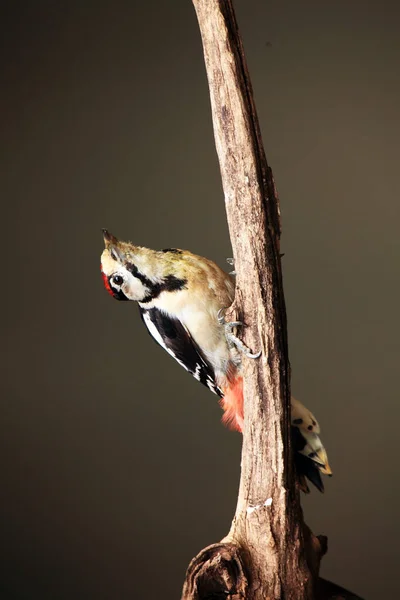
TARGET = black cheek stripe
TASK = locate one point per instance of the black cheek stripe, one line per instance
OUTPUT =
(120, 296)
(170, 283)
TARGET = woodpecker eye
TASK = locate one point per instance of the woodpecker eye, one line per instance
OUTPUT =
(117, 280)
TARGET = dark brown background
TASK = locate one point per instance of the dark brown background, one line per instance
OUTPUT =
(115, 469)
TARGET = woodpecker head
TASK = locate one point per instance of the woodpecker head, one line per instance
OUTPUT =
(135, 273)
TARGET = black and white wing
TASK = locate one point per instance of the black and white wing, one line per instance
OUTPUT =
(173, 336)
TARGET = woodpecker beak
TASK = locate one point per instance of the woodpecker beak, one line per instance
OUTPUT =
(109, 238)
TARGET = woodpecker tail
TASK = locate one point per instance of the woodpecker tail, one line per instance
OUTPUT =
(310, 455)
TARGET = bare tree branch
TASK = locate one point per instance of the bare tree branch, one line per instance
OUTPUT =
(269, 552)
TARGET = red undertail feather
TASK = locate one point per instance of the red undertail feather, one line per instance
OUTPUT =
(232, 404)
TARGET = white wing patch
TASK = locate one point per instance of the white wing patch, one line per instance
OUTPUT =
(175, 338)
(156, 335)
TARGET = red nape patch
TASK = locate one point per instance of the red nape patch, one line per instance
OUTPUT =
(105, 281)
(232, 404)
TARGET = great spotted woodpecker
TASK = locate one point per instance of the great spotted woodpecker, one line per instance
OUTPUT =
(181, 298)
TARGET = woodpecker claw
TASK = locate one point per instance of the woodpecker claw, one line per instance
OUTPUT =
(221, 316)
(231, 261)
(232, 339)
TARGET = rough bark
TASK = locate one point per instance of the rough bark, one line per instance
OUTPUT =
(269, 552)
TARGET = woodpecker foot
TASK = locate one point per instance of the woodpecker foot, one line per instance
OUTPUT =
(232, 339)
(231, 261)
